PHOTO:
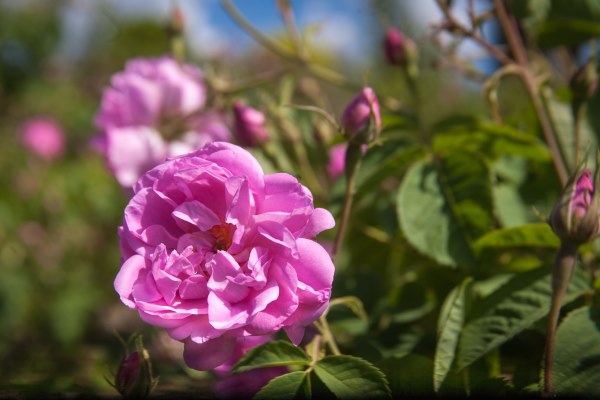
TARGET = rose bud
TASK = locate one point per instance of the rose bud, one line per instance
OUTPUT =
(249, 125)
(575, 217)
(361, 120)
(393, 46)
(400, 50)
(134, 378)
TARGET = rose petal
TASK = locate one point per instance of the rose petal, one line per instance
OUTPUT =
(208, 355)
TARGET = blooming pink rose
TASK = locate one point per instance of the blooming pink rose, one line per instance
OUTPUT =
(245, 384)
(358, 112)
(249, 125)
(214, 251)
(151, 111)
(43, 137)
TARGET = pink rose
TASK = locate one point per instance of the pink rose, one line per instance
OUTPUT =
(357, 114)
(249, 125)
(43, 137)
(215, 251)
(151, 111)
(245, 384)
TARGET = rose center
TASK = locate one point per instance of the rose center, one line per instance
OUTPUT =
(223, 235)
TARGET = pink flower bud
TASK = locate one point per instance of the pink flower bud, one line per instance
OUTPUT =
(249, 125)
(575, 217)
(361, 118)
(43, 137)
(393, 46)
(134, 377)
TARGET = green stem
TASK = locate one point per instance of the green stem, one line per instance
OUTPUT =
(561, 276)
(578, 115)
(323, 327)
(353, 158)
(517, 49)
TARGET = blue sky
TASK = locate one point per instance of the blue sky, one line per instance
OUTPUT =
(348, 28)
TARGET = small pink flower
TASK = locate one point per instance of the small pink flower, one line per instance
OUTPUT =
(249, 125)
(245, 384)
(393, 46)
(359, 111)
(43, 137)
(154, 109)
(214, 251)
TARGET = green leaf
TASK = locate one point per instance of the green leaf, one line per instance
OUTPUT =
(394, 164)
(272, 354)
(568, 32)
(294, 385)
(577, 357)
(444, 206)
(490, 140)
(352, 378)
(563, 119)
(531, 235)
(450, 324)
(515, 306)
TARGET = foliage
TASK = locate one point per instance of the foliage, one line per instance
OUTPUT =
(443, 278)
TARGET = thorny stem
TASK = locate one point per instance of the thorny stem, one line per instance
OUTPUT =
(472, 33)
(290, 25)
(231, 87)
(318, 71)
(561, 276)
(323, 327)
(518, 50)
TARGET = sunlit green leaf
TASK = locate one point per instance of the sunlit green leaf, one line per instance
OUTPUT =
(294, 385)
(352, 378)
(577, 355)
(515, 306)
(450, 324)
(272, 354)
(445, 205)
(489, 140)
(531, 235)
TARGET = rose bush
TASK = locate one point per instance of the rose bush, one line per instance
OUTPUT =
(215, 251)
(154, 109)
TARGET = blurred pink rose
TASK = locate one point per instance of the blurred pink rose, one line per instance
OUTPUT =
(357, 114)
(245, 384)
(249, 125)
(43, 137)
(151, 111)
(214, 251)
